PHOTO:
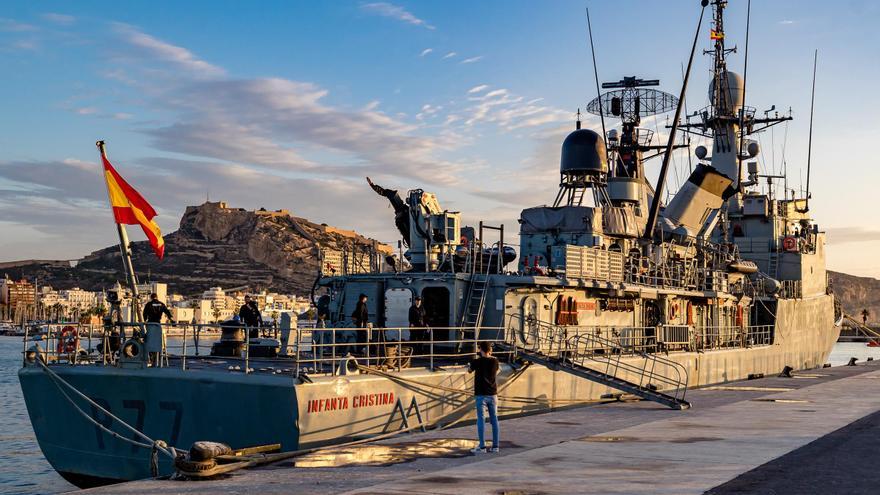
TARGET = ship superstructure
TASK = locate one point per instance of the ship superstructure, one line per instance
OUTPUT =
(597, 298)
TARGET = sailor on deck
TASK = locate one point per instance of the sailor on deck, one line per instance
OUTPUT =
(155, 341)
(250, 314)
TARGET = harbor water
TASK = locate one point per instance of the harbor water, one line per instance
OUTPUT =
(23, 470)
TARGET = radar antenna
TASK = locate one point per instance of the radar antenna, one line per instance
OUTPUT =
(806, 207)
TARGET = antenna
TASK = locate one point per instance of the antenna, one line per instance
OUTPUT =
(810, 140)
(742, 111)
(655, 204)
(596, 75)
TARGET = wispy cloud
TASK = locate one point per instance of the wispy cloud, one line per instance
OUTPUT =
(843, 235)
(471, 60)
(395, 12)
(13, 26)
(426, 51)
(62, 19)
(786, 22)
(180, 57)
(29, 45)
(450, 55)
(509, 111)
(86, 111)
(273, 122)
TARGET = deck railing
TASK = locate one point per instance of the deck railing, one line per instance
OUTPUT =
(308, 350)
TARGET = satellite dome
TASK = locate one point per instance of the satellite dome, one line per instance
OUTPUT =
(583, 153)
(733, 85)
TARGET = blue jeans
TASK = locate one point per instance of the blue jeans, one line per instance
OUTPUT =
(491, 403)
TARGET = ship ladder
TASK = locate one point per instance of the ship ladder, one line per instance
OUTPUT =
(472, 314)
(606, 362)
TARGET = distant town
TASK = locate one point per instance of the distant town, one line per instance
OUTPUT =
(23, 300)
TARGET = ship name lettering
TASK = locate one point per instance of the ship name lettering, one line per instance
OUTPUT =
(343, 403)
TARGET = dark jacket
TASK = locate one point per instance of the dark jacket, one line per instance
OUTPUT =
(154, 310)
(417, 316)
(250, 314)
(361, 315)
(485, 368)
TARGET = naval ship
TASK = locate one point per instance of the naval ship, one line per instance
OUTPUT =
(609, 292)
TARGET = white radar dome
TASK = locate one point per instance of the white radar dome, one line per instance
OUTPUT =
(732, 98)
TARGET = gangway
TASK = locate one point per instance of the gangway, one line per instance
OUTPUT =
(607, 362)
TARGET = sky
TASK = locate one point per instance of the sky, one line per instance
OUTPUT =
(283, 104)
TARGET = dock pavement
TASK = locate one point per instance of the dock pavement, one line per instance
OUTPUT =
(817, 432)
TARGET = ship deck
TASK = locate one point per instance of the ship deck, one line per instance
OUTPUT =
(771, 435)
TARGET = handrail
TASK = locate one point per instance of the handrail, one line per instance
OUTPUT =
(581, 347)
(312, 350)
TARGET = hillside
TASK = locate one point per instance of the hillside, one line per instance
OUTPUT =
(857, 293)
(214, 245)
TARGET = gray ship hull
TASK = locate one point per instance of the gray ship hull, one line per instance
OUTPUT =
(246, 410)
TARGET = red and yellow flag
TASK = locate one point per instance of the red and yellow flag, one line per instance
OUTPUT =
(716, 35)
(130, 208)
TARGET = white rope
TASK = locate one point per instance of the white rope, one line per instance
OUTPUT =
(153, 444)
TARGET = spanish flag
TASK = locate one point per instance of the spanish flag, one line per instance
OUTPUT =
(130, 208)
(716, 35)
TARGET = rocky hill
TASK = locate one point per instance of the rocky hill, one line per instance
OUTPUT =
(857, 293)
(215, 246)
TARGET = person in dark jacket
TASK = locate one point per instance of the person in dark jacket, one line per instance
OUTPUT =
(251, 316)
(155, 338)
(485, 367)
(417, 325)
(361, 318)
(154, 309)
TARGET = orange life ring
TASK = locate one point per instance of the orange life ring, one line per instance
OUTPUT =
(68, 341)
(673, 310)
(789, 244)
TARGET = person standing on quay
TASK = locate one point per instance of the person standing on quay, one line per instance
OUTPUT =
(485, 367)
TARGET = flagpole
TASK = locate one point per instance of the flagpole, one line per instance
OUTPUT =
(125, 250)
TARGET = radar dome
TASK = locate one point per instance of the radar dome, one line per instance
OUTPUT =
(733, 84)
(583, 153)
(753, 149)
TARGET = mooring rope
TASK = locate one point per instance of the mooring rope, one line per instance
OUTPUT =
(155, 446)
(265, 459)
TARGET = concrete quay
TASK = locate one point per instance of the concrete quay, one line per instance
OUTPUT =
(815, 433)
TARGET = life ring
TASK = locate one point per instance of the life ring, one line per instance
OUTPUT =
(68, 341)
(789, 244)
(673, 310)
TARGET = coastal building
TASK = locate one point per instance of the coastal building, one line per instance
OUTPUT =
(158, 288)
(217, 297)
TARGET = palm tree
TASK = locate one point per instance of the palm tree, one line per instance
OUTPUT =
(865, 315)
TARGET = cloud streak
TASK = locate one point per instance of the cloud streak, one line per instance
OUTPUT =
(397, 12)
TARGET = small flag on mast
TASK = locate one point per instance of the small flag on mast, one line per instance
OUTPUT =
(130, 208)
(716, 35)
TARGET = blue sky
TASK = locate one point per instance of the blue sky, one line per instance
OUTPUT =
(290, 104)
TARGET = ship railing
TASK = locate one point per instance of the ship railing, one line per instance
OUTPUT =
(88, 341)
(300, 349)
(334, 350)
(550, 339)
(590, 347)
